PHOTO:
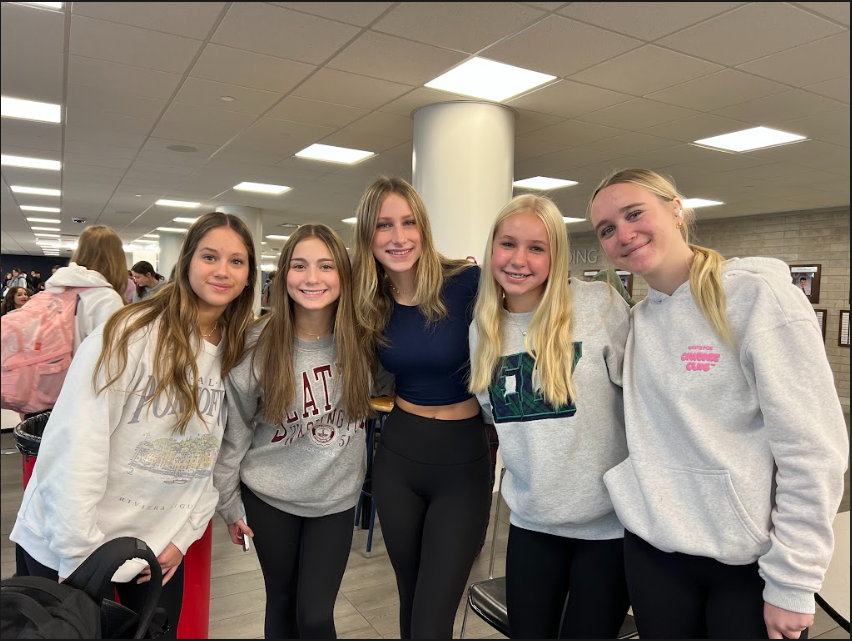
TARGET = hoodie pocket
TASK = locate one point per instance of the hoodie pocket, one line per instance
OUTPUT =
(686, 510)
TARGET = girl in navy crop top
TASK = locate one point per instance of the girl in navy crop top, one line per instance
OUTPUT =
(432, 468)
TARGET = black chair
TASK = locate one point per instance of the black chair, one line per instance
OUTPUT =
(365, 511)
(487, 599)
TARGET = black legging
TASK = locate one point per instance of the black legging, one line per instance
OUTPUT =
(131, 594)
(681, 596)
(303, 560)
(541, 571)
(433, 494)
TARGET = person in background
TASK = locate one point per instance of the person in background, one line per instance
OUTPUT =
(131, 287)
(804, 285)
(35, 280)
(15, 298)
(293, 454)
(609, 276)
(139, 422)
(733, 479)
(266, 296)
(546, 366)
(18, 279)
(431, 472)
(148, 282)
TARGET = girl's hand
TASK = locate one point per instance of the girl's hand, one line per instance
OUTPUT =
(239, 531)
(782, 623)
(170, 561)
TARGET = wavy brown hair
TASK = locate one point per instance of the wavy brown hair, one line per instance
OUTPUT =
(273, 352)
(100, 249)
(372, 288)
(174, 310)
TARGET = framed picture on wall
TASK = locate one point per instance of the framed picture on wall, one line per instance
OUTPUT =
(822, 316)
(843, 340)
(806, 278)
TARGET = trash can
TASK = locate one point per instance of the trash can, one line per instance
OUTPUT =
(195, 612)
(28, 435)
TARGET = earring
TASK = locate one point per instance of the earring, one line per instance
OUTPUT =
(679, 225)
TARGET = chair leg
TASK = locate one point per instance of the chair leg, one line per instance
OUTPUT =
(358, 510)
(372, 523)
(464, 619)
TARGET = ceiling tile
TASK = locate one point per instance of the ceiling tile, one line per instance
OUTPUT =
(280, 136)
(810, 153)
(275, 31)
(645, 20)
(130, 45)
(420, 97)
(755, 30)
(353, 139)
(200, 124)
(572, 133)
(835, 10)
(807, 64)
(529, 121)
(103, 99)
(108, 122)
(581, 46)
(190, 19)
(636, 114)
(14, 130)
(832, 127)
(40, 79)
(780, 107)
(696, 127)
(22, 26)
(722, 89)
(315, 112)
(645, 70)
(838, 89)
(562, 161)
(382, 56)
(631, 143)
(101, 137)
(384, 124)
(247, 69)
(526, 148)
(97, 160)
(568, 99)
(206, 93)
(90, 72)
(357, 13)
(462, 26)
(343, 88)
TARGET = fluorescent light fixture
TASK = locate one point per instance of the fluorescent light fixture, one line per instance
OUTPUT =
(29, 110)
(40, 234)
(44, 5)
(487, 79)
(185, 220)
(54, 221)
(46, 228)
(52, 210)
(267, 268)
(750, 139)
(163, 202)
(273, 237)
(693, 203)
(273, 257)
(329, 153)
(262, 188)
(568, 219)
(180, 230)
(38, 191)
(541, 182)
(350, 221)
(150, 235)
(30, 163)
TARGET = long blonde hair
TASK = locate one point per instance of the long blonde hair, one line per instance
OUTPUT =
(273, 352)
(100, 249)
(372, 290)
(175, 311)
(705, 269)
(548, 339)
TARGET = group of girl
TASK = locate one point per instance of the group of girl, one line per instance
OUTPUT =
(701, 494)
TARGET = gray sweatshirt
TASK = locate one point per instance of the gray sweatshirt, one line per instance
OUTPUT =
(736, 454)
(556, 457)
(312, 462)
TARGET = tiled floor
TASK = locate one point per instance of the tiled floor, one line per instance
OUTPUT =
(366, 607)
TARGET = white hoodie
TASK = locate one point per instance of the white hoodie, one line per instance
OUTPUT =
(736, 454)
(96, 304)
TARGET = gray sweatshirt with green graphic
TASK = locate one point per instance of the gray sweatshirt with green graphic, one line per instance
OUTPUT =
(556, 457)
(310, 463)
(736, 453)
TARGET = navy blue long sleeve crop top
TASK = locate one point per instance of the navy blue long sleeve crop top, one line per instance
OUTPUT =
(432, 364)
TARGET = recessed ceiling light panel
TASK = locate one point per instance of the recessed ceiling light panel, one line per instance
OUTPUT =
(541, 182)
(30, 110)
(330, 153)
(30, 163)
(481, 78)
(262, 188)
(750, 139)
(694, 203)
(52, 210)
(38, 191)
(164, 202)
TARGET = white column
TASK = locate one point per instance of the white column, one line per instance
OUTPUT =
(463, 168)
(170, 244)
(251, 216)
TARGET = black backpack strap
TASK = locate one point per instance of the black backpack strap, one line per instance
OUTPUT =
(27, 607)
(23, 584)
(94, 576)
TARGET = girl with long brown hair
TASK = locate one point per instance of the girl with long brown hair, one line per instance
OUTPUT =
(293, 454)
(130, 446)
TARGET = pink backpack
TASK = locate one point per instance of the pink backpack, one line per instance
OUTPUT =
(36, 343)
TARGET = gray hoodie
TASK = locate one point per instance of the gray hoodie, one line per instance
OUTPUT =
(556, 457)
(312, 462)
(736, 454)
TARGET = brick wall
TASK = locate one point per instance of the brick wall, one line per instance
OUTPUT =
(798, 238)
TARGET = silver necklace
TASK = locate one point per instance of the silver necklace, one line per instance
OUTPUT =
(215, 327)
(515, 323)
(399, 293)
(314, 337)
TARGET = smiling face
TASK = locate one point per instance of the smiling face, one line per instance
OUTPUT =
(313, 280)
(638, 230)
(218, 271)
(21, 297)
(397, 243)
(520, 260)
